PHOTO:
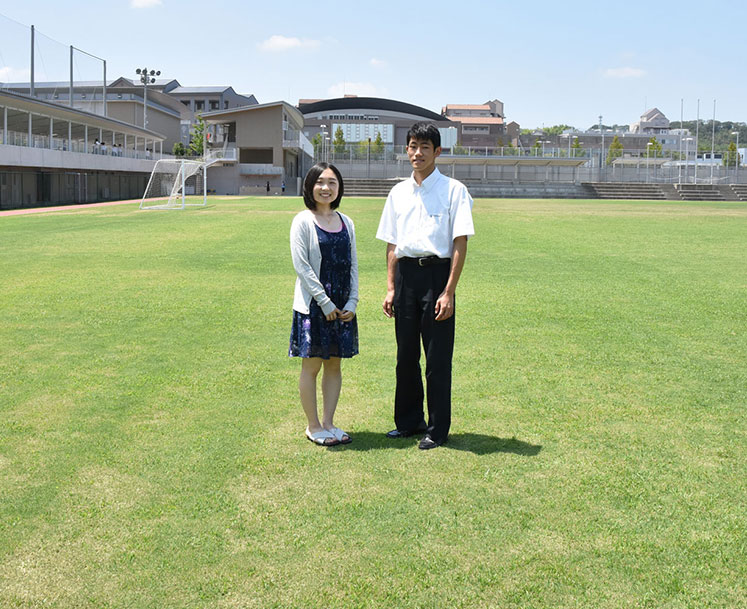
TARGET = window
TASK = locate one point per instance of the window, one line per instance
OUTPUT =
(214, 104)
(255, 155)
(200, 104)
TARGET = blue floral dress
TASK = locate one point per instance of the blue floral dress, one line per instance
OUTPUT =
(311, 334)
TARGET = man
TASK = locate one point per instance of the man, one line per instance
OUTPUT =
(425, 223)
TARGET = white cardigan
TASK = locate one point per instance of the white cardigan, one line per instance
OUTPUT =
(307, 260)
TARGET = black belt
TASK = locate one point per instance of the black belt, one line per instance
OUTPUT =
(425, 261)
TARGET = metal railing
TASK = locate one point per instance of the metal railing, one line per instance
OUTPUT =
(21, 138)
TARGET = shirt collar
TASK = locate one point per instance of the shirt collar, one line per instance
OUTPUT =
(429, 182)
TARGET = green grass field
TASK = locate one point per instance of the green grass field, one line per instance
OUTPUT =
(151, 439)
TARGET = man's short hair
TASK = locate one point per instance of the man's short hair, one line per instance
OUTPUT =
(422, 132)
(312, 176)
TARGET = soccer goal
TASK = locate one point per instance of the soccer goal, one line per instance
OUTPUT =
(176, 184)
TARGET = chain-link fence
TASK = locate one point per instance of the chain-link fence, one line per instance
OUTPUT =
(542, 164)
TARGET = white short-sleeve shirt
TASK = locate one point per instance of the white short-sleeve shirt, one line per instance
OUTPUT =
(424, 220)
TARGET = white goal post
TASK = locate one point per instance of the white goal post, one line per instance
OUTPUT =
(176, 184)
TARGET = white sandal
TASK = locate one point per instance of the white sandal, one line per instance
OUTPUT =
(321, 437)
(340, 435)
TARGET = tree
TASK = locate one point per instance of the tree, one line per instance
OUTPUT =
(654, 149)
(732, 157)
(339, 142)
(536, 147)
(362, 149)
(196, 138)
(377, 146)
(556, 129)
(615, 150)
(316, 141)
(179, 149)
(577, 150)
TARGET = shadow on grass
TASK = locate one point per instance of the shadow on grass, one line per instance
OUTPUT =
(476, 443)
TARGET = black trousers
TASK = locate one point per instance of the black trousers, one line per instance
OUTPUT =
(416, 291)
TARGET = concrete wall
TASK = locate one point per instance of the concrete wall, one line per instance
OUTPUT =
(158, 121)
(21, 156)
(261, 128)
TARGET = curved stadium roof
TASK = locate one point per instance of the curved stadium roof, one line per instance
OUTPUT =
(373, 103)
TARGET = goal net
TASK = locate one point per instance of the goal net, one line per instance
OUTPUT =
(175, 184)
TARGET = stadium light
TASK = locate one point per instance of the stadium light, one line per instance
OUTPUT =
(146, 78)
(736, 161)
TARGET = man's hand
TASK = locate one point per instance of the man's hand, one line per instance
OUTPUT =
(444, 306)
(388, 304)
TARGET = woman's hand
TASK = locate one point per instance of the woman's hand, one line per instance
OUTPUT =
(333, 314)
(347, 315)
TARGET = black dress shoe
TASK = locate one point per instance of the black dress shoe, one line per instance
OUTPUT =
(427, 443)
(396, 433)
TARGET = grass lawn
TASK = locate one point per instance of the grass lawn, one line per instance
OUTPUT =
(151, 439)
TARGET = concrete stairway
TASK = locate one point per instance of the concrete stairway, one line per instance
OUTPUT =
(740, 191)
(625, 190)
(700, 192)
(538, 190)
(364, 187)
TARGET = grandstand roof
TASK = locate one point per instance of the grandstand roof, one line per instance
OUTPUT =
(372, 103)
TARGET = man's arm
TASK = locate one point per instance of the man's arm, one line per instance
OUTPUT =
(445, 302)
(391, 270)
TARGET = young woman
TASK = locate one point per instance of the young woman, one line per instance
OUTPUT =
(324, 328)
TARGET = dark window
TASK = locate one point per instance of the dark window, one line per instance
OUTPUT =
(255, 155)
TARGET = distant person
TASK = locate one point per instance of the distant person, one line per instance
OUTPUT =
(97, 146)
(268, 187)
(282, 186)
(325, 329)
(103, 147)
(425, 222)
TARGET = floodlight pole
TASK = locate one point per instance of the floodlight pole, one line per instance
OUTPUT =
(146, 78)
(31, 84)
(71, 75)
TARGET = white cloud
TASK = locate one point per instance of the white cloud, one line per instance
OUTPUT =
(377, 63)
(9, 74)
(624, 72)
(362, 89)
(279, 43)
(144, 3)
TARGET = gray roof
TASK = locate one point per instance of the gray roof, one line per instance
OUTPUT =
(192, 90)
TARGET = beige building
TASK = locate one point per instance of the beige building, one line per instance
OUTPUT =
(262, 146)
(54, 154)
(480, 125)
(652, 121)
(171, 108)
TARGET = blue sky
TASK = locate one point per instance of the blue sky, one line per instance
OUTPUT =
(549, 62)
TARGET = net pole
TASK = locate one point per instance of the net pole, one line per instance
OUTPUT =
(204, 183)
(183, 185)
